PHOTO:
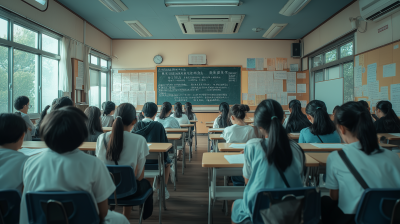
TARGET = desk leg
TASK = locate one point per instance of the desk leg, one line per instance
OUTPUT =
(195, 135)
(183, 154)
(160, 190)
(216, 145)
(175, 164)
(190, 144)
(163, 180)
(208, 142)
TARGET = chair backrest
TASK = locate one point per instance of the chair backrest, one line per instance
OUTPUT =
(125, 180)
(396, 213)
(311, 205)
(9, 206)
(55, 213)
(376, 205)
(78, 205)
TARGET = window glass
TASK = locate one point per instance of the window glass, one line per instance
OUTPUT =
(94, 89)
(348, 77)
(93, 60)
(25, 77)
(333, 72)
(319, 76)
(49, 44)
(317, 61)
(25, 36)
(103, 87)
(346, 50)
(49, 81)
(4, 79)
(3, 28)
(103, 63)
(331, 56)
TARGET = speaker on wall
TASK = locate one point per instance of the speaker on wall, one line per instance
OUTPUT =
(296, 50)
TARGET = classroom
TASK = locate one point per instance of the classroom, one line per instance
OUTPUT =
(199, 111)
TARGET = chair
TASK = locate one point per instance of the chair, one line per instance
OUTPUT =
(9, 206)
(125, 183)
(311, 204)
(377, 205)
(61, 207)
(396, 213)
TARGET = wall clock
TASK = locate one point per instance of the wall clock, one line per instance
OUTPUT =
(158, 59)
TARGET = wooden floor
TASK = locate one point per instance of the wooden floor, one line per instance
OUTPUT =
(189, 203)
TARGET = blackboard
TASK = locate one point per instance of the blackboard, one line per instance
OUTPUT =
(198, 85)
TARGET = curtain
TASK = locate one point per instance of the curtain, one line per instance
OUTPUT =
(86, 74)
(65, 69)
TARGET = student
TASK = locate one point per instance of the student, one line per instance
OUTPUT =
(12, 132)
(165, 119)
(22, 105)
(222, 121)
(388, 121)
(322, 129)
(334, 110)
(63, 167)
(153, 131)
(93, 123)
(42, 115)
(178, 115)
(262, 159)
(239, 131)
(62, 102)
(121, 147)
(107, 119)
(365, 104)
(189, 112)
(297, 121)
(380, 168)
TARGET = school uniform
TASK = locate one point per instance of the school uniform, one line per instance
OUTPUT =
(70, 171)
(238, 134)
(307, 137)
(382, 127)
(107, 120)
(182, 120)
(93, 137)
(29, 124)
(285, 122)
(169, 122)
(11, 166)
(262, 175)
(216, 124)
(194, 117)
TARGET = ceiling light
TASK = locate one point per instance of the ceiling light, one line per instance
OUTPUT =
(114, 5)
(138, 28)
(292, 7)
(274, 30)
(194, 3)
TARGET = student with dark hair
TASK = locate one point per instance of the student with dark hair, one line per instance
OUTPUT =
(63, 167)
(107, 119)
(93, 123)
(179, 115)
(335, 109)
(297, 121)
(12, 132)
(265, 158)
(222, 121)
(380, 168)
(388, 121)
(21, 104)
(42, 115)
(153, 131)
(165, 119)
(121, 147)
(322, 129)
(239, 131)
(365, 104)
(62, 102)
(189, 112)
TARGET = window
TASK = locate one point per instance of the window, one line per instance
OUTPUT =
(94, 94)
(348, 82)
(4, 79)
(49, 44)
(94, 60)
(3, 29)
(317, 60)
(346, 50)
(49, 81)
(319, 76)
(331, 56)
(99, 73)
(24, 36)
(103, 87)
(103, 63)
(333, 73)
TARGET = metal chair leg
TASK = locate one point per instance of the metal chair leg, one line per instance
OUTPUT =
(141, 213)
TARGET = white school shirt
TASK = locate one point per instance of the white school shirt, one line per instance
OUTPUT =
(238, 134)
(285, 122)
(379, 170)
(169, 122)
(11, 166)
(134, 151)
(29, 124)
(107, 121)
(182, 120)
(215, 125)
(70, 171)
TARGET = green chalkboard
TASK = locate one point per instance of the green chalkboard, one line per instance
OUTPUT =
(198, 85)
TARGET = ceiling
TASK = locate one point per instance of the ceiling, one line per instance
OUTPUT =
(160, 21)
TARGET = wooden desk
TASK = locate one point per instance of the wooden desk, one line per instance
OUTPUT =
(307, 147)
(248, 121)
(176, 130)
(189, 128)
(186, 125)
(320, 157)
(216, 130)
(294, 136)
(388, 136)
(107, 129)
(174, 136)
(209, 125)
(225, 147)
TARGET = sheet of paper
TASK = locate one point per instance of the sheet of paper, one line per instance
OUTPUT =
(269, 82)
(142, 77)
(141, 97)
(284, 98)
(81, 69)
(79, 83)
(291, 82)
(251, 99)
(148, 145)
(365, 99)
(261, 77)
(126, 87)
(301, 88)
(150, 77)
(117, 78)
(365, 90)
(149, 86)
(290, 98)
(237, 146)
(389, 70)
(142, 86)
(134, 77)
(126, 78)
(357, 76)
(361, 60)
(301, 75)
(251, 64)
(151, 96)
(395, 46)
(303, 103)
(259, 98)
(116, 96)
(260, 64)
(384, 93)
(216, 129)
(235, 159)
(133, 98)
(124, 97)
(278, 86)
(371, 73)
(271, 64)
(357, 91)
(395, 97)
(244, 96)
(280, 75)
(356, 61)
(328, 146)
(134, 86)
(117, 87)
(395, 134)
(279, 64)
(31, 152)
(373, 90)
(294, 67)
(252, 82)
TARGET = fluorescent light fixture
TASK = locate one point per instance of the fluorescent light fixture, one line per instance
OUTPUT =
(274, 30)
(138, 28)
(114, 5)
(195, 3)
(292, 7)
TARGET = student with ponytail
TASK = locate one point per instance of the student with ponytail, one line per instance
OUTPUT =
(297, 121)
(93, 123)
(388, 121)
(178, 115)
(264, 160)
(107, 119)
(239, 131)
(378, 167)
(222, 121)
(121, 147)
(322, 129)
(189, 112)
(165, 119)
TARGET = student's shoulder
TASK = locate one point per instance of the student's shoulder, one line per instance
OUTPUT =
(305, 130)
(134, 137)
(253, 143)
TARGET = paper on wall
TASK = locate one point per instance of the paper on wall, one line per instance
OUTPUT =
(361, 61)
(303, 103)
(271, 64)
(149, 86)
(141, 97)
(126, 78)
(291, 82)
(117, 78)
(142, 77)
(357, 91)
(365, 99)
(371, 73)
(117, 87)
(357, 76)
(384, 93)
(133, 98)
(290, 98)
(251, 63)
(280, 75)
(259, 98)
(134, 86)
(134, 77)
(280, 63)
(244, 96)
(124, 97)
(357, 61)
(365, 90)
(150, 96)
(395, 97)
(126, 87)
(301, 75)
(395, 46)
(294, 67)
(142, 86)
(150, 77)
(284, 98)
(301, 88)
(278, 86)
(251, 99)
(116, 97)
(389, 70)
(269, 82)
(260, 64)
(252, 82)
(79, 83)
(261, 77)
(373, 90)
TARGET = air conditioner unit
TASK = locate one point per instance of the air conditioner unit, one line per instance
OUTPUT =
(210, 24)
(273, 30)
(376, 10)
(139, 28)
(292, 7)
(114, 5)
(197, 59)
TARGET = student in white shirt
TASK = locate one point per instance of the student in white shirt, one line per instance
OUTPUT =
(12, 132)
(165, 119)
(222, 121)
(239, 131)
(22, 105)
(93, 123)
(179, 115)
(189, 112)
(121, 147)
(379, 167)
(63, 167)
(108, 111)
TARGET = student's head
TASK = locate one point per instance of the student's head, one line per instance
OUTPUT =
(238, 113)
(385, 111)
(149, 110)
(321, 123)
(93, 123)
(22, 104)
(12, 130)
(109, 108)
(42, 115)
(335, 109)
(353, 121)
(178, 110)
(224, 112)
(364, 104)
(297, 119)
(64, 129)
(166, 108)
(62, 102)
(125, 119)
(189, 110)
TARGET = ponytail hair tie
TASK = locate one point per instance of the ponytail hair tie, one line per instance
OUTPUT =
(318, 108)
(273, 117)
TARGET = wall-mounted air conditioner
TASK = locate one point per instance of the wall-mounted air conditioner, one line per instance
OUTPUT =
(210, 24)
(197, 59)
(375, 10)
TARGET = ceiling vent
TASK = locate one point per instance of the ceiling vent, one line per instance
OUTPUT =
(375, 10)
(292, 7)
(114, 5)
(210, 24)
(274, 30)
(195, 3)
(139, 28)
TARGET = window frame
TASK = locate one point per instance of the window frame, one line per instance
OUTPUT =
(100, 70)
